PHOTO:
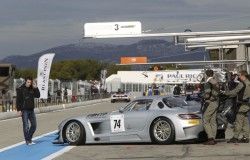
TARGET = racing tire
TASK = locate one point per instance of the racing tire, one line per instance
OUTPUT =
(74, 133)
(162, 131)
(112, 101)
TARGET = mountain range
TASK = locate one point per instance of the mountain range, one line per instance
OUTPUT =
(154, 49)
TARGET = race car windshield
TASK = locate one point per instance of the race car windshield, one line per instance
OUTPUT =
(120, 93)
(175, 102)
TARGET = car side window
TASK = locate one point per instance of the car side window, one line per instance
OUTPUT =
(174, 102)
(140, 105)
(169, 102)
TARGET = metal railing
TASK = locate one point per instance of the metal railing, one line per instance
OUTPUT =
(7, 105)
(10, 105)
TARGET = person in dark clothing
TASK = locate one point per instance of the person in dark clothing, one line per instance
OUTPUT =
(25, 107)
(49, 97)
(65, 95)
(156, 90)
(232, 84)
(177, 90)
(58, 96)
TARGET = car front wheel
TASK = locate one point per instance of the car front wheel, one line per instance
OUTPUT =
(74, 133)
(162, 131)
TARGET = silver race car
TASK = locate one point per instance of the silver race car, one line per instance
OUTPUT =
(158, 119)
(120, 96)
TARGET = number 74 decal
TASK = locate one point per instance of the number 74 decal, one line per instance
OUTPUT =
(117, 123)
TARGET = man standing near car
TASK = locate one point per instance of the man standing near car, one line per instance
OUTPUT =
(242, 91)
(211, 92)
(25, 107)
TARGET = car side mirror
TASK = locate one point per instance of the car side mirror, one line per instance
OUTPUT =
(120, 110)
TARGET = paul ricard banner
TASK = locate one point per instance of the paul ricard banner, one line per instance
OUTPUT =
(43, 72)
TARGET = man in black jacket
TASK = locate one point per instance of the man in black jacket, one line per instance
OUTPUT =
(25, 107)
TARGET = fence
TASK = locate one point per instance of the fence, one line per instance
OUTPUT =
(10, 105)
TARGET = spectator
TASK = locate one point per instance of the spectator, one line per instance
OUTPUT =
(58, 95)
(6, 99)
(177, 90)
(65, 95)
(150, 91)
(49, 97)
(161, 90)
(156, 90)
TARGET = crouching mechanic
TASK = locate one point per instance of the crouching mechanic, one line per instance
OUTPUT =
(25, 107)
(242, 91)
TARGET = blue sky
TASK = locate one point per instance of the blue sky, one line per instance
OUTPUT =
(30, 26)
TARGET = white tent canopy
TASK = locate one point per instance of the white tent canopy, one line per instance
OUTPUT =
(149, 77)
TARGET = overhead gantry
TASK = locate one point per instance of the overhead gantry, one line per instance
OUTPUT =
(210, 40)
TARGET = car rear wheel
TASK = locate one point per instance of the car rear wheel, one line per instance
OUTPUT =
(112, 101)
(162, 131)
(74, 133)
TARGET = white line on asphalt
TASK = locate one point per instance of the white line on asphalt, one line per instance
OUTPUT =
(23, 142)
(60, 152)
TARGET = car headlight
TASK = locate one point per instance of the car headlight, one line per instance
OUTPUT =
(189, 116)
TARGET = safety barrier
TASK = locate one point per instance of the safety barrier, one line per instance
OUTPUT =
(10, 105)
(7, 105)
(45, 109)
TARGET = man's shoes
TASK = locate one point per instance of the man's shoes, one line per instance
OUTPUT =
(244, 140)
(29, 143)
(210, 141)
(32, 143)
(233, 140)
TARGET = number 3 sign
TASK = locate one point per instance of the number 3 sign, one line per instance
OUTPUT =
(117, 123)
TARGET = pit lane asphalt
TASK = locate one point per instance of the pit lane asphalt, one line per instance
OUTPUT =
(11, 133)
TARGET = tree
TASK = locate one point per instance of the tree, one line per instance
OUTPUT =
(76, 69)
(22, 73)
(113, 68)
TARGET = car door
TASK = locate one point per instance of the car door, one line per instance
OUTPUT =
(136, 117)
(130, 120)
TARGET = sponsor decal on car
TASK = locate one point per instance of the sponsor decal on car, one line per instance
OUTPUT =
(94, 115)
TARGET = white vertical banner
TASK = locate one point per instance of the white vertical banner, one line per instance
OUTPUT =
(103, 78)
(43, 72)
